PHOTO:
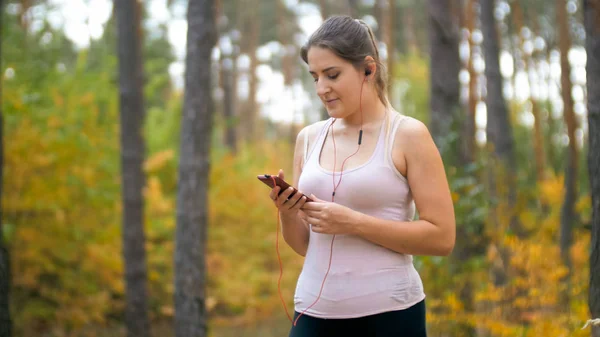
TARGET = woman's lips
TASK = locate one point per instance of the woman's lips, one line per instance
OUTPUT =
(331, 101)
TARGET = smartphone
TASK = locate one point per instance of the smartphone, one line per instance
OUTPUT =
(268, 180)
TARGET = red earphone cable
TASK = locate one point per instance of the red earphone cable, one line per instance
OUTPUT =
(279, 259)
(335, 186)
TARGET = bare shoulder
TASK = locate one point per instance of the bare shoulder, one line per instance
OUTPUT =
(411, 142)
(412, 132)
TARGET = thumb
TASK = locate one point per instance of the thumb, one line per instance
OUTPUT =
(314, 197)
(280, 174)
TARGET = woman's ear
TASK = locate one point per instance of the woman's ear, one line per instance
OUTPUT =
(370, 66)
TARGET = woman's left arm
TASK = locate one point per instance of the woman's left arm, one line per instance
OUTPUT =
(435, 231)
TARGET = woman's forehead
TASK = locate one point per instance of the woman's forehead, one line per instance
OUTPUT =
(320, 59)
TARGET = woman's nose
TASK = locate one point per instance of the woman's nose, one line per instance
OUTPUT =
(322, 88)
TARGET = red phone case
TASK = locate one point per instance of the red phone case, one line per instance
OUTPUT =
(268, 180)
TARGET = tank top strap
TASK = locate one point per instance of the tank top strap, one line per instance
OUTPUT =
(318, 143)
(394, 122)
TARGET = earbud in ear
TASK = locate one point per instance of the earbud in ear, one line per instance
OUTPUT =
(367, 72)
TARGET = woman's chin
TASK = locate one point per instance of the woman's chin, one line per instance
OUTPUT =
(335, 113)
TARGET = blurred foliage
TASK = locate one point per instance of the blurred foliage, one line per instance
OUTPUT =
(61, 204)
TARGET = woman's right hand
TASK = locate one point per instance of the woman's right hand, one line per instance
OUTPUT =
(288, 206)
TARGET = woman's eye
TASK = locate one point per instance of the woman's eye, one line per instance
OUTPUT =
(331, 77)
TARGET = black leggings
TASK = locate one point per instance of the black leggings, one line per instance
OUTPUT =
(401, 323)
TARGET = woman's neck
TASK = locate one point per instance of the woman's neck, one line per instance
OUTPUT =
(373, 111)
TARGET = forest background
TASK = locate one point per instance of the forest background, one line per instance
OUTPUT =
(90, 210)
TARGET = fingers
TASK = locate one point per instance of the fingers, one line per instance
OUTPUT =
(313, 221)
(294, 202)
(317, 228)
(286, 201)
(274, 193)
(298, 200)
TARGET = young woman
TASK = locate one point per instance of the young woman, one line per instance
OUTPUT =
(367, 168)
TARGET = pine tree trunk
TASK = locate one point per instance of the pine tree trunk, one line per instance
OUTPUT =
(251, 113)
(391, 45)
(229, 101)
(591, 9)
(227, 69)
(469, 126)
(128, 19)
(568, 214)
(499, 135)
(379, 13)
(192, 198)
(5, 276)
(445, 66)
(499, 130)
(353, 8)
(324, 8)
(410, 35)
(538, 136)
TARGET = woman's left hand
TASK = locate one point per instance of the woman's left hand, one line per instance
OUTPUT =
(329, 217)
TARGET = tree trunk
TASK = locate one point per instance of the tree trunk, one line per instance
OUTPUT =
(353, 8)
(324, 8)
(499, 130)
(499, 134)
(410, 35)
(591, 9)
(229, 101)
(391, 47)
(378, 14)
(227, 70)
(469, 126)
(538, 135)
(128, 19)
(5, 321)
(445, 66)
(192, 201)
(251, 111)
(571, 170)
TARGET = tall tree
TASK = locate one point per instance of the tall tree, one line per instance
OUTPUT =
(5, 322)
(591, 9)
(252, 31)
(391, 46)
(325, 13)
(192, 207)
(445, 110)
(324, 9)
(228, 80)
(131, 88)
(229, 101)
(498, 128)
(445, 66)
(353, 8)
(468, 130)
(529, 67)
(568, 208)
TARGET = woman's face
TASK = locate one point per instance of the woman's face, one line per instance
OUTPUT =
(337, 82)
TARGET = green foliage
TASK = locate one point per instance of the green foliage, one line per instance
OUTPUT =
(411, 78)
(62, 216)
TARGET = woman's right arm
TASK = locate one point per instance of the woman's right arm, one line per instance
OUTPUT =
(294, 228)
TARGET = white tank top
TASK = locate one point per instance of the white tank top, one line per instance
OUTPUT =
(365, 278)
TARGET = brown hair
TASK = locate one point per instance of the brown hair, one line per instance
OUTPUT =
(352, 40)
